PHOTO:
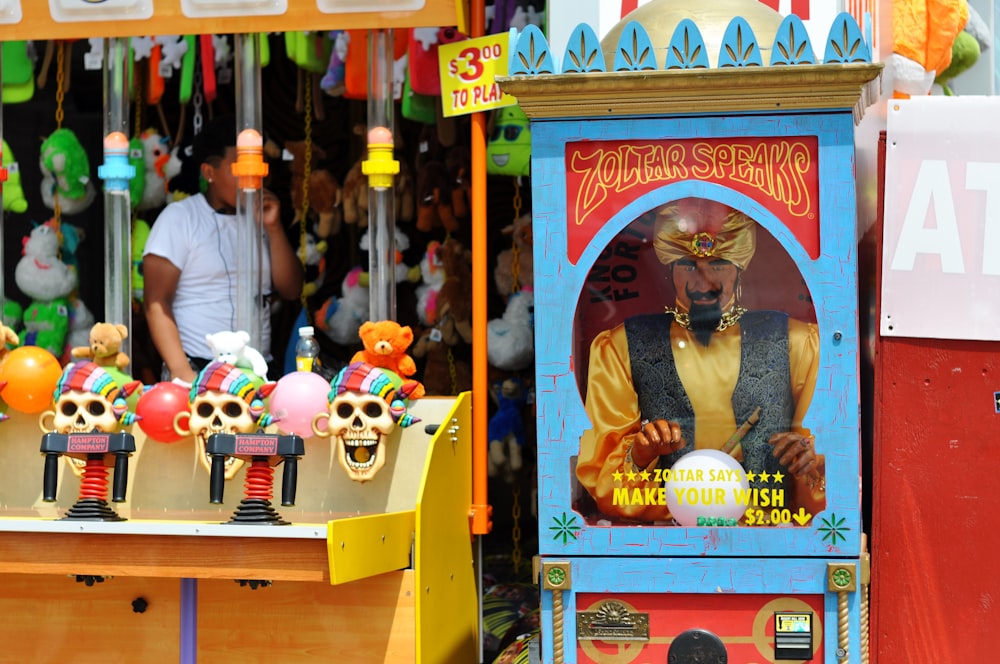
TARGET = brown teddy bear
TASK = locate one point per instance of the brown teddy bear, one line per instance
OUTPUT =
(445, 371)
(385, 344)
(105, 342)
(324, 191)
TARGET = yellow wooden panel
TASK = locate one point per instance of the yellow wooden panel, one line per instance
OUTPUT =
(368, 545)
(164, 556)
(168, 19)
(447, 598)
(363, 622)
(56, 619)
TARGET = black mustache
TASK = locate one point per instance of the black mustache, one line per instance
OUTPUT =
(701, 295)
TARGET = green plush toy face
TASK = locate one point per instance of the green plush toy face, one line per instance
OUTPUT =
(508, 151)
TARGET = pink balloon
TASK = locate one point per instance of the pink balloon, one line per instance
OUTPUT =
(296, 400)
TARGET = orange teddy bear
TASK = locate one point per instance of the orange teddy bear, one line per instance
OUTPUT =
(385, 344)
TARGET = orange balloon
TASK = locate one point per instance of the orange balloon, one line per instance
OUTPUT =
(30, 375)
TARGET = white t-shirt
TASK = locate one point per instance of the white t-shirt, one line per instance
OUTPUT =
(201, 243)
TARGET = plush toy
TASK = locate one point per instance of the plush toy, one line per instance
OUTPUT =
(332, 82)
(66, 173)
(48, 281)
(454, 298)
(385, 344)
(923, 32)
(155, 156)
(445, 370)
(8, 340)
(325, 195)
(432, 273)
(505, 430)
(508, 151)
(510, 340)
(403, 272)
(105, 344)
(434, 198)
(965, 51)
(233, 348)
(340, 318)
(313, 257)
(503, 274)
(140, 233)
(13, 194)
(355, 195)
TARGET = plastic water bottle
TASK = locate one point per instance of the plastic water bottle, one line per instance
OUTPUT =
(306, 349)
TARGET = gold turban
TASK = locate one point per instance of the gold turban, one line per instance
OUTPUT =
(699, 228)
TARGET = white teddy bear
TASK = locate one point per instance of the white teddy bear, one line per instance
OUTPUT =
(232, 348)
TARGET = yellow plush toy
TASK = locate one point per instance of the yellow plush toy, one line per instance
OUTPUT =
(105, 344)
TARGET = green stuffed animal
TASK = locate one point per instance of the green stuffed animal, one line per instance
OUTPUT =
(49, 283)
(140, 233)
(66, 173)
(13, 194)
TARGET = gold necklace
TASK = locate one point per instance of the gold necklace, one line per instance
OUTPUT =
(728, 319)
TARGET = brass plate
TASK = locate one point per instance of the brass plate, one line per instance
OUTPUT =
(613, 621)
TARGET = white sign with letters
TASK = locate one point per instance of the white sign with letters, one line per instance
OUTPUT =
(941, 234)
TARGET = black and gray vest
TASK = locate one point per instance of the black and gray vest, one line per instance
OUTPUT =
(764, 380)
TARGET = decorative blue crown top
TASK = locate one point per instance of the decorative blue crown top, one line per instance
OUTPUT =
(531, 55)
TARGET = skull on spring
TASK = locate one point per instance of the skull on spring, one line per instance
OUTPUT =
(360, 422)
(223, 400)
(77, 411)
(219, 412)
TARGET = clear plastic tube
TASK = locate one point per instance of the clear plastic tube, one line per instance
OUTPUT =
(381, 200)
(117, 203)
(249, 200)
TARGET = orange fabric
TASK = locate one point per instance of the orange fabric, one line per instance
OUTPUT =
(924, 30)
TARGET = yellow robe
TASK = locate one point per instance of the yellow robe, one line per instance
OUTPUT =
(708, 374)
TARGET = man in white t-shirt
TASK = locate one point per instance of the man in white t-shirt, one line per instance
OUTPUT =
(190, 260)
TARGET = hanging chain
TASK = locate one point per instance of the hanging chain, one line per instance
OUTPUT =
(60, 95)
(515, 532)
(197, 100)
(60, 82)
(452, 372)
(515, 266)
(304, 212)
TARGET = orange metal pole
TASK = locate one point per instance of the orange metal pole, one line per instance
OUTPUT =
(481, 511)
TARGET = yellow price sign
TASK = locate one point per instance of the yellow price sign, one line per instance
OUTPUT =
(468, 75)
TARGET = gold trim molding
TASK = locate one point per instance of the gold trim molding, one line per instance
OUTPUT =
(682, 91)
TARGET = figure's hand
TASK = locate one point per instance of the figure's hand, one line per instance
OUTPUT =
(795, 452)
(272, 210)
(656, 438)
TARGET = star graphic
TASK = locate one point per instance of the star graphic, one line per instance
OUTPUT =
(751, 477)
(778, 478)
(765, 476)
(618, 475)
(644, 476)
(631, 475)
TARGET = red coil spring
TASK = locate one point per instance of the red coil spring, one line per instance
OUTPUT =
(94, 483)
(260, 480)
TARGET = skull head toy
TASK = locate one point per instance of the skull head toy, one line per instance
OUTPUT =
(223, 400)
(88, 399)
(366, 404)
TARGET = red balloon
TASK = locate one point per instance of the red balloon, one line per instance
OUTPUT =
(29, 376)
(157, 408)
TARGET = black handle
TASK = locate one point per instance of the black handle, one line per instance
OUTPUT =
(217, 479)
(289, 477)
(50, 480)
(121, 479)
